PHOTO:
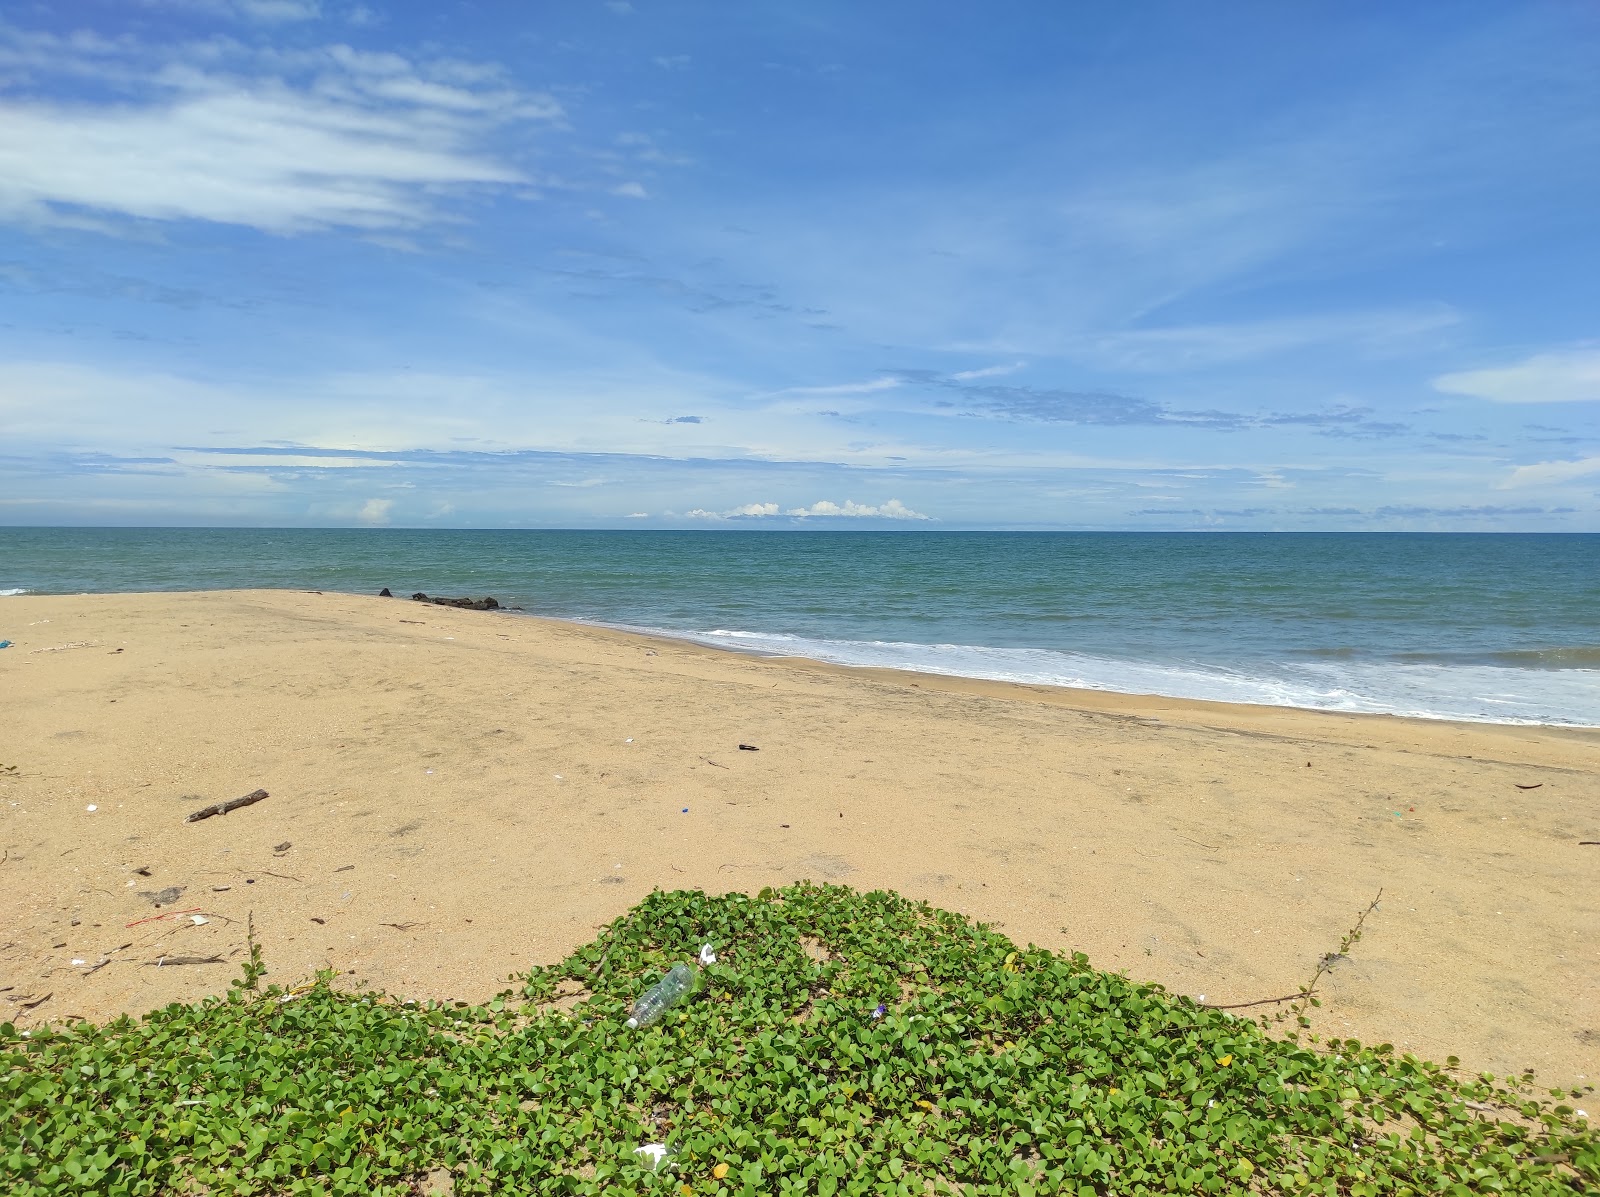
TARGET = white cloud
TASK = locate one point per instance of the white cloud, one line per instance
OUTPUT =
(630, 191)
(988, 372)
(1569, 377)
(283, 142)
(847, 388)
(268, 11)
(745, 512)
(1192, 346)
(894, 509)
(638, 515)
(1547, 472)
(375, 511)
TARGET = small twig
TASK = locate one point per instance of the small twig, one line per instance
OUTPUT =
(172, 961)
(400, 926)
(157, 917)
(1327, 962)
(222, 808)
(281, 876)
(1259, 1002)
(709, 761)
(1213, 847)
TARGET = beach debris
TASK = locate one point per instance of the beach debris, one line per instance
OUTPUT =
(29, 1002)
(344, 868)
(61, 648)
(686, 810)
(91, 808)
(1534, 786)
(666, 993)
(748, 748)
(707, 956)
(156, 918)
(5, 644)
(657, 1153)
(142, 871)
(283, 847)
(1589, 843)
(709, 761)
(164, 897)
(466, 604)
(222, 808)
(385, 593)
(171, 961)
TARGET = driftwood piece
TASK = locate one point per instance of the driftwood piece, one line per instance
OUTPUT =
(170, 961)
(222, 808)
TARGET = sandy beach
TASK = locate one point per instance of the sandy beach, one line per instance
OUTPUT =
(455, 795)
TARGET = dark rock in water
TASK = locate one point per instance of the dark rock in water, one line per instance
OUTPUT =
(384, 593)
(466, 604)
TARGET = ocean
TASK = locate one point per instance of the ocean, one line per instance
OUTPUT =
(1490, 628)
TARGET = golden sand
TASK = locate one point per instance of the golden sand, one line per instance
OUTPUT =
(455, 795)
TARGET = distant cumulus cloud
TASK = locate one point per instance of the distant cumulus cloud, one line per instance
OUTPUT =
(1567, 377)
(375, 511)
(894, 509)
(1546, 472)
(747, 511)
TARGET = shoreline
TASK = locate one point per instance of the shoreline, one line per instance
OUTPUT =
(498, 788)
(700, 639)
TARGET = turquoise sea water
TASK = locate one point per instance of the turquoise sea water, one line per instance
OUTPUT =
(1504, 628)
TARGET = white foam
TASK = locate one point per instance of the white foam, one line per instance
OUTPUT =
(1475, 693)
(14, 590)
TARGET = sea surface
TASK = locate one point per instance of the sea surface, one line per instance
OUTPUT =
(1494, 628)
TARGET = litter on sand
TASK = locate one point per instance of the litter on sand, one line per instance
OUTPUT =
(657, 1154)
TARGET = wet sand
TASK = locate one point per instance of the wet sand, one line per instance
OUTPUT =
(465, 793)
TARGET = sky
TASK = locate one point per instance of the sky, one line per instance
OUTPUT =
(920, 264)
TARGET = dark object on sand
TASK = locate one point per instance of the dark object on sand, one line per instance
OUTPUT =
(466, 604)
(165, 897)
(384, 593)
(283, 847)
(222, 808)
(748, 748)
(1534, 786)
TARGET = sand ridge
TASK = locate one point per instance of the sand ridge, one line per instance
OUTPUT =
(465, 793)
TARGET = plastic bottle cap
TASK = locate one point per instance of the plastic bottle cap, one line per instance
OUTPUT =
(632, 1022)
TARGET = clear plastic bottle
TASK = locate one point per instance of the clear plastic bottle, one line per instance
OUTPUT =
(666, 993)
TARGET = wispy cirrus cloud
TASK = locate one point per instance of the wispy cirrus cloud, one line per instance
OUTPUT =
(281, 141)
(265, 11)
(1546, 473)
(1567, 376)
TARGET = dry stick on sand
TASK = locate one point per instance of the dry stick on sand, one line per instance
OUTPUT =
(222, 808)
(1323, 965)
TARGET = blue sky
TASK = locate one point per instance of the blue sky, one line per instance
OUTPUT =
(634, 264)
